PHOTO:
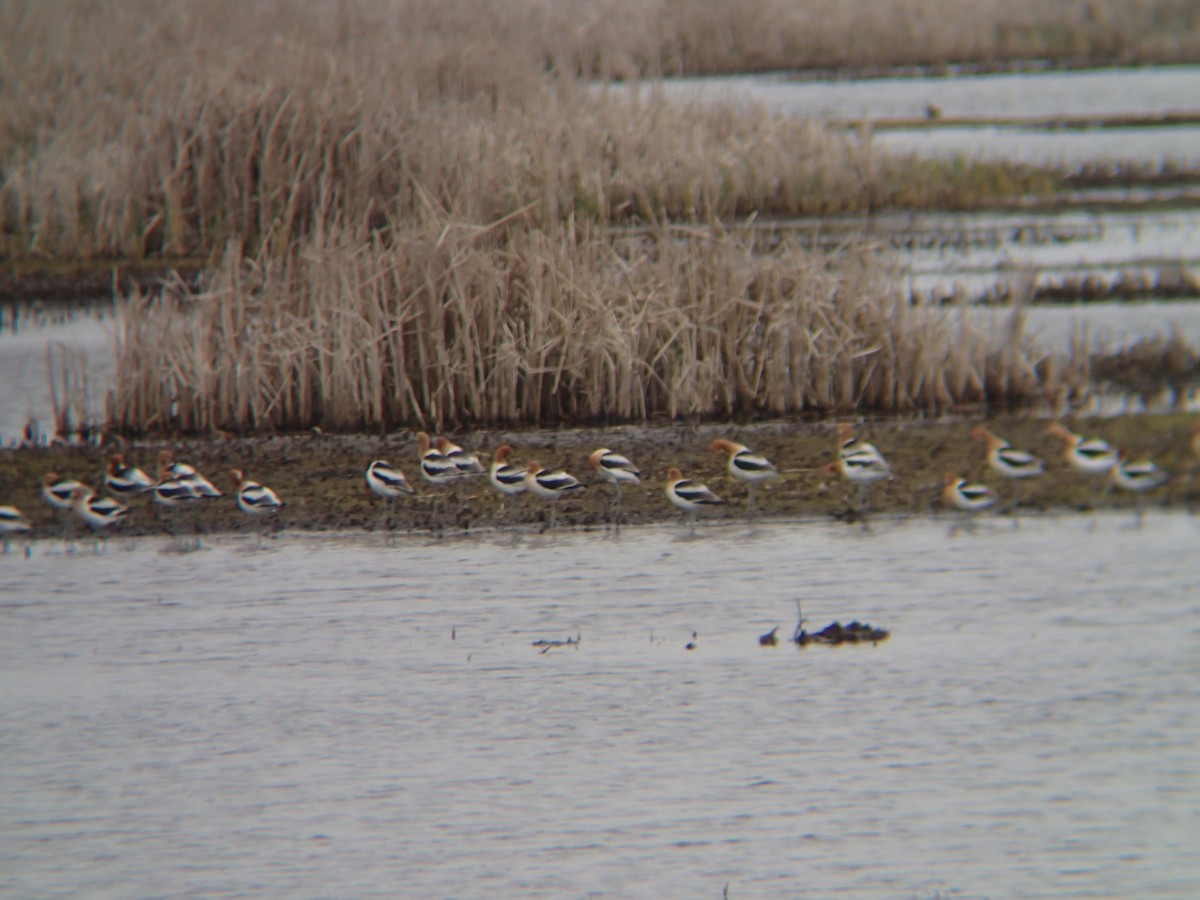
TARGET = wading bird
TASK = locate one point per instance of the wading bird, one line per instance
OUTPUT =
(175, 494)
(507, 479)
(1137, 478)
(125, 480)
(59, 493)
(436, 468)
(615, 468)
(99, 513)
(1090, 456)
(689, 496)
(746, 466)
(1015, 465)
(966, 497)
(550, 485)
(388, 484)
(12, 521)
(254, 499)
(186, 474)
(849, 445)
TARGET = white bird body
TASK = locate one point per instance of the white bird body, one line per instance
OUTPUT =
(744, 464)
(436, 468)
(1006, 459)
(253, 498)
(1142, 475)
(864, 467)
(689, 496)
(185, 474)
(508, 479)
(967, 497)
(13, 521)
(387, 482)
(126, 480)
(1090, 455)
(550, 485)
(60, 493)
(98, 512)
(465, 463)
(614, 467)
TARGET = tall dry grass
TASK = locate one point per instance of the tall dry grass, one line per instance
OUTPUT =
(146, 128)
(406, 203)
(450, 324)
(270, 165)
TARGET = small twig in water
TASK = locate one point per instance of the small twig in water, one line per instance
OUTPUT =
(547, 646)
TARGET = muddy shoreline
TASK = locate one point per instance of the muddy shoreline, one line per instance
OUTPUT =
(320, 477)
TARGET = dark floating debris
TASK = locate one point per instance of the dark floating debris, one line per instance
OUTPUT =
(769, 639)
(547, 646)
(836, 633)
(691, 645)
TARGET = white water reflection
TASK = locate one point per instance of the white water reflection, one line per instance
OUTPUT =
(337, 712)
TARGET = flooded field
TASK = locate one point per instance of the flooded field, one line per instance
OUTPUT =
(1093, 92)
(1029, 95)
(337, 712)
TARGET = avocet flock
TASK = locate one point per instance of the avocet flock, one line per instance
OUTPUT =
(444, 465)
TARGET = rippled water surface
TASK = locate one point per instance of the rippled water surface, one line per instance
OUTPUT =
(334, 716)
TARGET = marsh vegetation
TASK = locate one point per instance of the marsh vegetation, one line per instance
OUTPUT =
(406, 212)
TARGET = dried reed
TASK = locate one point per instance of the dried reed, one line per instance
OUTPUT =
(449, 325)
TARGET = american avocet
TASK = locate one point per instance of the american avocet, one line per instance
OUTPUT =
(1015, 465)
(966, 497)
(12, 521)
(615, 468)
(389, 484)
(863, 468)
(186, 474)
(849, 445)
(125, 480)
(175, 494)
(253, 498)
(58, 492)
(1006, 459)
(507, 479)
(436, 468)
(550, 485)
(689, 496)
(99, 513)
(1137, 477)
(1090, 456)
(746, 466)
(467, 464)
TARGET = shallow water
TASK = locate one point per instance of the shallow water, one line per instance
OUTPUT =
(1033, 95)
(25, 370)
(336, 716)
(1095, 92)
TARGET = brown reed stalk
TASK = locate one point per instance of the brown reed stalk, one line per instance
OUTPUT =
(451, 325)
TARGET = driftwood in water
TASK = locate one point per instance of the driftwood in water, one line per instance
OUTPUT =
(836, 633)
(546, 646)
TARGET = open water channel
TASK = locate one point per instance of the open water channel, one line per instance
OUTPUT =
(337, 717)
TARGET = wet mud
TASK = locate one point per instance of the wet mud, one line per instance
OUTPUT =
(320, 478)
